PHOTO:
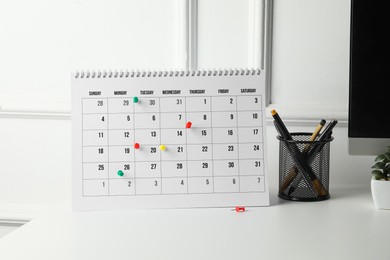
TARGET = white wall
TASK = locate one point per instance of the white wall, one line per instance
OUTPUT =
(311, 55)
(45, 41)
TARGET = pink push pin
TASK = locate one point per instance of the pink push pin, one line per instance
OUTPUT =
(188, 125)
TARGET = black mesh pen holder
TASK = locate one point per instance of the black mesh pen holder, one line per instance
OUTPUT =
(304, 168)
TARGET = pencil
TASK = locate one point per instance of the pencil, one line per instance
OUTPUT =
(294, 171)
(315, 134)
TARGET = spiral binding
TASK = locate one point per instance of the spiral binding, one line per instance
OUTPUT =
(165, 73)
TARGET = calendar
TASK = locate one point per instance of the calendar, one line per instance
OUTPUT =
(173, 139)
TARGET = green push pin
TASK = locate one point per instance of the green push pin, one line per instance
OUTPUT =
(135, 99)
(120, 173)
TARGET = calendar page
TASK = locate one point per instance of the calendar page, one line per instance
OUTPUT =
(168, 140)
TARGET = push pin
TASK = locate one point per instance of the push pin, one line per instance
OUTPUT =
(162, 147)
(136, 146)
(135, 99)
(240, 209)
(120, 173)
(188, 125)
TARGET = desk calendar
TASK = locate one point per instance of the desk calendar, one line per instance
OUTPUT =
(168, 139)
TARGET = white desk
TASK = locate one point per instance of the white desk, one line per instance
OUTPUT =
(347, 226)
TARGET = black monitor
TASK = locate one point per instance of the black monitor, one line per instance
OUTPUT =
(369, 78)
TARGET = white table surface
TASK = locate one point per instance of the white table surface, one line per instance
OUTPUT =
(347, 226)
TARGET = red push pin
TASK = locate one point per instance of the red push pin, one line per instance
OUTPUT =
(136, 146)
(240, 209)
(188, 125)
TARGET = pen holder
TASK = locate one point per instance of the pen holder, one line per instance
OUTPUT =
(304, 168)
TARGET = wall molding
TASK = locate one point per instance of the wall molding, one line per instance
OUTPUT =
(267, 50)
(256, 29)
(36, 108)
(193, 35)
(61, 115)
(20, 214)
(182, 34)
(187, 23)
(309, 114)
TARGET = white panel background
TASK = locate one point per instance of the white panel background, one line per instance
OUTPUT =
(223, 33)
(41, 43)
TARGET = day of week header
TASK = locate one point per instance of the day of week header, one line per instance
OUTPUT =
(197, 91)
(146, 92)
(95, 93)
(120, 93)
(171, 92)
(225, 91)
(248, 90)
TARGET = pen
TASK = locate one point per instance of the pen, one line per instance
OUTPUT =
(277, 128)
(295, 153)
(282, 128)
(326, 133)
(328, 129)
(294, 171)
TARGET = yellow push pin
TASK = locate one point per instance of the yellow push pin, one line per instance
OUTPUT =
(163, 147)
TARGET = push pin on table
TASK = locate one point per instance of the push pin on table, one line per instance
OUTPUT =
(188, 124)
(240, 209)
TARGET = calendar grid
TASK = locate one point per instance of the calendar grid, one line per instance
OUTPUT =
(214, 123)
